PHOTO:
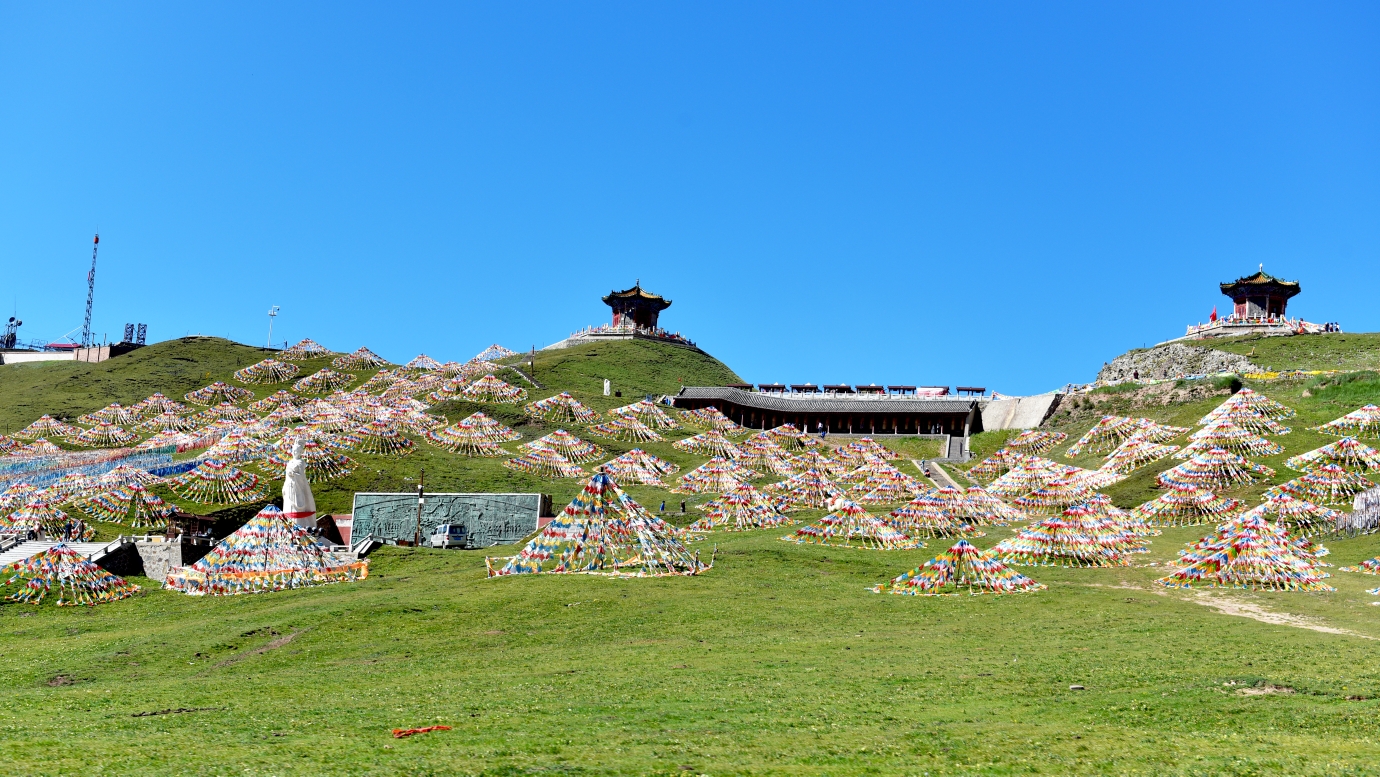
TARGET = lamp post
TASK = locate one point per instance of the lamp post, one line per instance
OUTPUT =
(272, 314)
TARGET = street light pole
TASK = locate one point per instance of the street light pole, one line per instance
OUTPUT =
(421, 500)
(272, 314)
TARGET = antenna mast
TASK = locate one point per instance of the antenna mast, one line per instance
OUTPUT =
(90, 293)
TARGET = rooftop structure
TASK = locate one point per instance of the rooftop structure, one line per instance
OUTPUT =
(636, 306)
(871, 413)
(635, 316)
(1259, 303)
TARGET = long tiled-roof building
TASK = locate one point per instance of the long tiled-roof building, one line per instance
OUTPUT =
(841, 412)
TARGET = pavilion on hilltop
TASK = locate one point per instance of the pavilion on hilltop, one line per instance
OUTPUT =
(1259, 302)
(636, 314)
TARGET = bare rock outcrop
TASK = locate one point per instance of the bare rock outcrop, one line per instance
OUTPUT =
(1173, 360)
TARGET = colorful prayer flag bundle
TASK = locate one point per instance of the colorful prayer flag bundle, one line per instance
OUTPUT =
(762, 453)
(1248, 399)
(850, 525)
(740, 509)
(323, 463)
(1214, 469)
(545, 463)
(717, 475)
(113, 414)
(1068, 541)
(1228, 436)
(1364, 422)
(638, 467)
(359, 359)
(625, 428)
(1055, 497)
(1251, 419)
(40, 515)
(422, 363)
(805, 490)
(1093, 478)
(1347, 452)
(870, 448)
(217, 483)
(648, 413)
(788, 437)
(216, 393)
(984, 508)
(562, 408)
(493, 353)
(156, 403)
(125, 474)
(1151, 431)
(169, 421)
(568, 445)
(380, 380)
(1034, 442)
(323, 382)
(491, 428)
(491, 389)
(1324, 484)
(20, 493)
(1299, 516)
(267, 371)
(7, 444)
(270, 553)
(1031, 474)
(237, 448)
(1249, 552)
(280, 400)
(603, 531)
(225, 412)
(886, 489)
(380, 438)
(39, 447)
(709, 443)
(1370, 566)
(999, 463)
(47, 426)
(1106, 434)
(935, 513)
(1112, 527)
(466, 441)
(131, 503)
(962, 568)
(812, 458)
(306, 349)
(77, 580)
(68, 486)
(1135, 453)
(710, 418)
(1190, 506)
(103, 435)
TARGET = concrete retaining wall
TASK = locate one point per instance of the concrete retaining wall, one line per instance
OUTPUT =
(1018, 412)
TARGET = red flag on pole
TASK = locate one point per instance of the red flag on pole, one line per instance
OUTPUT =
(1213, 317)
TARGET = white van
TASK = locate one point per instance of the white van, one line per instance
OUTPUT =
(449, 535)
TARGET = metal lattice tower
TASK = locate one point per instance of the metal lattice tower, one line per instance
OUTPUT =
(90, 293)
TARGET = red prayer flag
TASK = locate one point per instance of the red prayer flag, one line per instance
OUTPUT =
(1213, 317)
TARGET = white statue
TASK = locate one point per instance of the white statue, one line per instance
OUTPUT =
(298, 503)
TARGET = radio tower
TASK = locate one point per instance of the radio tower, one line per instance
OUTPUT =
(90, 293)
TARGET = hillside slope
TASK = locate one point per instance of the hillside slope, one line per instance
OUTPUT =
(1255, 353)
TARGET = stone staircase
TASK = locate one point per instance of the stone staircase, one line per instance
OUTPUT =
(19, 551)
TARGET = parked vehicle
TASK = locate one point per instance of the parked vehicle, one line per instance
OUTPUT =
(450, 535)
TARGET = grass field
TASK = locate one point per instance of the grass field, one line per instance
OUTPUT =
(776, 661)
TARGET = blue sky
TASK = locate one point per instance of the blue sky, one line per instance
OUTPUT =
(1000, 194)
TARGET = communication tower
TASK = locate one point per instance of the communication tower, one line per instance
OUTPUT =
(90, 293)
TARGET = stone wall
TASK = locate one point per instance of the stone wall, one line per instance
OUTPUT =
(1172, 360)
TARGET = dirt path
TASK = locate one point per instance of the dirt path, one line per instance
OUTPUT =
(1242, 609)
(1256, 612)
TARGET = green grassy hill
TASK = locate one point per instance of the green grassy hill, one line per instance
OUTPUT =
(777, 661)
(1309, 352)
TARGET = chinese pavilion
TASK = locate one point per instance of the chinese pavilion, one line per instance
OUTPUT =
(636, 307)
(1260, 296)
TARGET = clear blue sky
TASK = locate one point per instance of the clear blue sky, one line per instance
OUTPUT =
(981, 193)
